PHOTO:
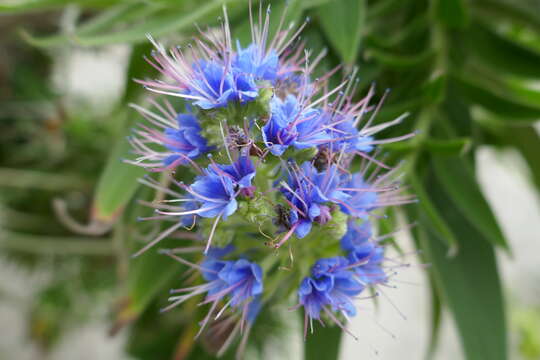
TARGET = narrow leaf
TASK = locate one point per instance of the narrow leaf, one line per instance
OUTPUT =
(527, 141)
(323, 344)
(400, 61)
(149, 276)
(438, 222)
(453, 13)
(155, 25)
(137, 68)
(436, 314)
(342, 22)
(116, 185)
(458, 180)
(469, 282)
(18, 6)
(512, 111)
(502, 53)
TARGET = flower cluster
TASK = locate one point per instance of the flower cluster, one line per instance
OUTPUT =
(269, 158)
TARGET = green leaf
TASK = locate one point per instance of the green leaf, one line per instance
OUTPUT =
(434, 90)
(436, 314)
(527, 141)
(453, 13)
(116, 185)
(518, 12)
(430, 211)
(149, 276)
(392, 111)
(342, 22)
(383, 7)
(502, 53)
(323, 344)
(103, 22)
(156, 25)
(454, 146)
(469, 282)
(374, 37)
(513, 88)
(459, 181)
(17, 6)
(400, 61)
(138, 68)
(512, 111)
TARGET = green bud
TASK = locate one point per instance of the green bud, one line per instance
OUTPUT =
(255, 210)
(327, 236)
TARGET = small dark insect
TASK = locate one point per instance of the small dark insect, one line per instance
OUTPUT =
(282, 217)
(322, 159)
(237, 138)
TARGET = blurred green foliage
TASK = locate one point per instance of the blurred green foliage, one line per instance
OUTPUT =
(467, 72)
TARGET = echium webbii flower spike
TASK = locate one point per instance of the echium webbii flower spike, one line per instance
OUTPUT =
(211, 74)
(228, 284)
(332, 288)
(173, 139)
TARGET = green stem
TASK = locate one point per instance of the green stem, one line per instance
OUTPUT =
(55, 245)
(25, 179)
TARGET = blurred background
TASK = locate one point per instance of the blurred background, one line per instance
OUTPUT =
(468, 72)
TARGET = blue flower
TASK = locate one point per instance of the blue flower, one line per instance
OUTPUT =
(177, 138)
(344, 135)
(254, 61)
(240, 279)
(307, 191)
(189, 220)
(244, 279)
(365, 256)
(357, 239)
(215, 86)
(291, 125)
(331, 286)
(313, 295)
(304, 198)
(363, 197)
(215, 193)
(216, 252)
(328, 182)
(242, 171)
(254, 308)
(370, 272)
(185, 140)
(237, 283)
